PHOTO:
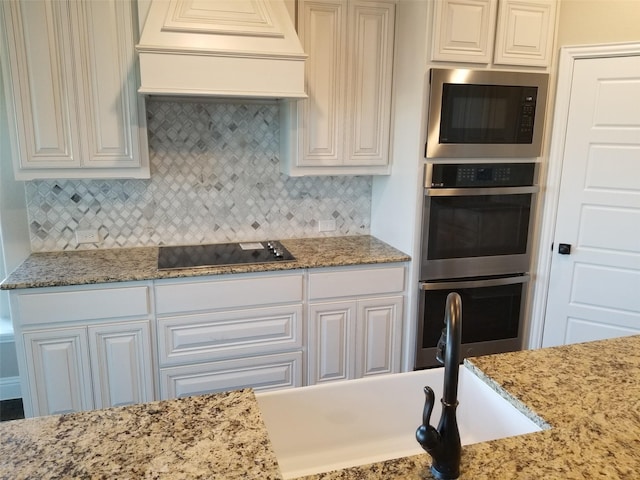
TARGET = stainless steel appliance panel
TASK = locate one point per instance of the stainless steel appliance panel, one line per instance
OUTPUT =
(485, 113)
(492, 316)
(471, 230)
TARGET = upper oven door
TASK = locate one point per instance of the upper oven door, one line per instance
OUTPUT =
(481, 231)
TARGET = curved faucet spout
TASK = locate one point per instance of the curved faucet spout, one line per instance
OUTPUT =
(453, 322)
(443, 443)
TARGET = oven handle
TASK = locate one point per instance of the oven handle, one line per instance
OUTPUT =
(459, 192)
(488, 282)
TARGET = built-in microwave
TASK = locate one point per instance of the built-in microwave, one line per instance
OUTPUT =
(485, 113)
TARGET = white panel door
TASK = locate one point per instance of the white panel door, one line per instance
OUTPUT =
(332, 330)
(122, 369)
(594, 291)
(59, 371)
(379, 336)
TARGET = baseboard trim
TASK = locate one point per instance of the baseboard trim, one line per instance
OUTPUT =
(10, 388)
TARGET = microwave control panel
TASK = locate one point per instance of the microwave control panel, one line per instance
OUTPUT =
(527, 115)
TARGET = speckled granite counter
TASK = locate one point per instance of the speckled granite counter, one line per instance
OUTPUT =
(588, 393)
(127, 264)
(206, 437)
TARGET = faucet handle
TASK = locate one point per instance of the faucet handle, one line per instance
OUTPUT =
(426, 435)
(429, 402)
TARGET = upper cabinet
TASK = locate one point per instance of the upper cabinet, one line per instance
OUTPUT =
(70, 83)
(344, 125)
(464, 31)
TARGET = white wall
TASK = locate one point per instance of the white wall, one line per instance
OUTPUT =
(14, 246)
(585, 22)
(396, 201)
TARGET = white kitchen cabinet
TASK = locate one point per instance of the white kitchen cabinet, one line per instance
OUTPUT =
(354, 323)
(525, 32)
(121, 363)
(344, 125)
(83, 347)
(378, 335)
(59, 372)
(261, 373)
(229, 332)
(331, 341)
(464, 31)
(70, 85)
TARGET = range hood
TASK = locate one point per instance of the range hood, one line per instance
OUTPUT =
(223, 48)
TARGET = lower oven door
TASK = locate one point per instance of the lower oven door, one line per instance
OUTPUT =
(492, 316)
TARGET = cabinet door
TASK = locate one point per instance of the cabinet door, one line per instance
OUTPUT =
(331, 341)
(369, 76)
(108, 64)
(323, 33)
(343, 128)
(379, 336)
(59, 371)
(40, 53)
(71, 86)
(464, 30)
(203, 337)
(525, 32)
(265, 372)
(121, 361)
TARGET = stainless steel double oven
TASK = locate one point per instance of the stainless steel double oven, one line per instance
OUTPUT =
(476, 240)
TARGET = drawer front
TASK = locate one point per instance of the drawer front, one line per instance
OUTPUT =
(349, 283)
(269, 372)
(211, 336)
(68, 305)
(226, 294)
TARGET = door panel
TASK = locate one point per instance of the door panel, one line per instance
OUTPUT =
(595, 291)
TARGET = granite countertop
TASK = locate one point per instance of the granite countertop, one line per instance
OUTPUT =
(81, 267)
(588, 394)
(204, 437)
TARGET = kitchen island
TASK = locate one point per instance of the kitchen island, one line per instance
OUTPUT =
(589, 394)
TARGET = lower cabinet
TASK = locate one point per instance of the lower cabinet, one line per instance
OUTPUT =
(98, 346)
(84, 347)
(226, 333)
(81, 368)
(357, 335)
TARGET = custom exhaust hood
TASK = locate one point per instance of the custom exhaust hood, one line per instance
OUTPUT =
(223, 48)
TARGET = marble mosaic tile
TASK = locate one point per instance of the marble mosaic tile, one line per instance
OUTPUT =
(214, 178)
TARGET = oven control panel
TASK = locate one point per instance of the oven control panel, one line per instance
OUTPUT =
(480, 175)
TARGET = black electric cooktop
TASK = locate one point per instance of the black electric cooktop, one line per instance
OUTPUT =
(222, 254)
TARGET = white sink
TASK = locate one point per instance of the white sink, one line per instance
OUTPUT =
(327, 427)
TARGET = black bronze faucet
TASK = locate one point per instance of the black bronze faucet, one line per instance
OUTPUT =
(443, 443)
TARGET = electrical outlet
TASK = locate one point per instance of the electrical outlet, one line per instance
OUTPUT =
(88, 236)
(326, 225)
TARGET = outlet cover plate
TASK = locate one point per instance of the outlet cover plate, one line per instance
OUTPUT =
(88, 236)
(327, 225)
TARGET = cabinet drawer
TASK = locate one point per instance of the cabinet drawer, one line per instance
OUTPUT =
(212, 336)
(225, 294)
(261, 373)
(347, 283)
(69, 305)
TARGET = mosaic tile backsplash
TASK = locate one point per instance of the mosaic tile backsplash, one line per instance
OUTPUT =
(214, 178)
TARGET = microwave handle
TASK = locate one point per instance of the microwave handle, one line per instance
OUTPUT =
(489, 282)
(459, 192)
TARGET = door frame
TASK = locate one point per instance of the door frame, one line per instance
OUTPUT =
(551, 188)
